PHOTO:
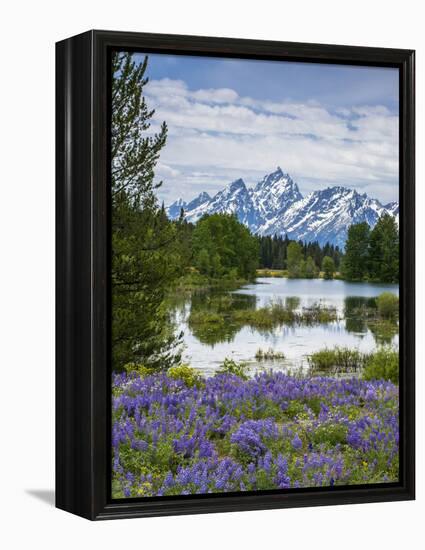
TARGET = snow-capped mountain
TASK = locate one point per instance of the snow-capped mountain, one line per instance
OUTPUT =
(274, 194)
(174, 210)
(275, 206)
(393, 208)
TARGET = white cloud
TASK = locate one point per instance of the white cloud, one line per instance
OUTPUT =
(215, 135)
(163, 170)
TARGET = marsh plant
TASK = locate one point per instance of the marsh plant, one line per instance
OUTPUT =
(273, 315)
(269, 355)
(388, 305)
(337, 359)
(382, 364)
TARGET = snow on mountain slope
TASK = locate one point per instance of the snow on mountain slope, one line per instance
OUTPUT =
(173, 211)
(325, 216)
(274, 194)
(275, 206)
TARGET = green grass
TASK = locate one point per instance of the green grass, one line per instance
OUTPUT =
(193, 280)
(265, 272)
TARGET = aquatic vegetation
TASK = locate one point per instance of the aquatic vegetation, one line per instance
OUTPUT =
(388, 305)
(269, 355)
(383, 330)
(382, 364)
(336, 360)
(317, 314)
(264, 318)
(234, 434)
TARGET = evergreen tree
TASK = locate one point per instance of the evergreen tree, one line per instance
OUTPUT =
(144, 255)
(356, 259)
(328, 267)
(384, 251)
(294, 259)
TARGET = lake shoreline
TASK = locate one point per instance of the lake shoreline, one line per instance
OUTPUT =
(235, 322)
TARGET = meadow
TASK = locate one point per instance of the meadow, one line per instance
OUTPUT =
(181, 433)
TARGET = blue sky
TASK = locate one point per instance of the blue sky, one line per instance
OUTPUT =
(324, 124)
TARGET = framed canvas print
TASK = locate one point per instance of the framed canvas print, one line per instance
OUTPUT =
(235, 275)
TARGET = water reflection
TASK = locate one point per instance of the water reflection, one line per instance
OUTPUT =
(361, 316)
(208, 343)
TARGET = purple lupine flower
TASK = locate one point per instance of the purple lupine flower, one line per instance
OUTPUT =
(157, 410)
(296, 442)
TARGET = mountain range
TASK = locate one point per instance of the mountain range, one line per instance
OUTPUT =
(275, 206)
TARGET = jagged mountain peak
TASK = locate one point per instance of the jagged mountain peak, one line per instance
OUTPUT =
(276, 206)
(276, 177)
(198, 201)
(174, 210)
(236, 185)
(204, 196)
(393, 208)
(275, 193)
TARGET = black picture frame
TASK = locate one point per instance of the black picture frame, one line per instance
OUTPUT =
(82, 251)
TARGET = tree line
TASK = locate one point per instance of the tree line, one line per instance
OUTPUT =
(219, 246)
(274, 254)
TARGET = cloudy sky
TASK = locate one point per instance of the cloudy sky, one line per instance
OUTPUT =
(323, 124)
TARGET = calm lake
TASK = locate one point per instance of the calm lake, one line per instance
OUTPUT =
(206, 349)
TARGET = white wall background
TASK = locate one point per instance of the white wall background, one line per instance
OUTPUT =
(29, 30)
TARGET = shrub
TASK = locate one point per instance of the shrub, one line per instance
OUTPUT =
(387, 303)
(229, 366)
(139, 369)
(186, 374)
(382, 365)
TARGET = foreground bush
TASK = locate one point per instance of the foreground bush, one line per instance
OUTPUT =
(272, 431)
(186, 374)
(229, 366)
(139, 369)
(383, 365)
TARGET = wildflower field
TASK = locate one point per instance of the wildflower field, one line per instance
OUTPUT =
(176, 435)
